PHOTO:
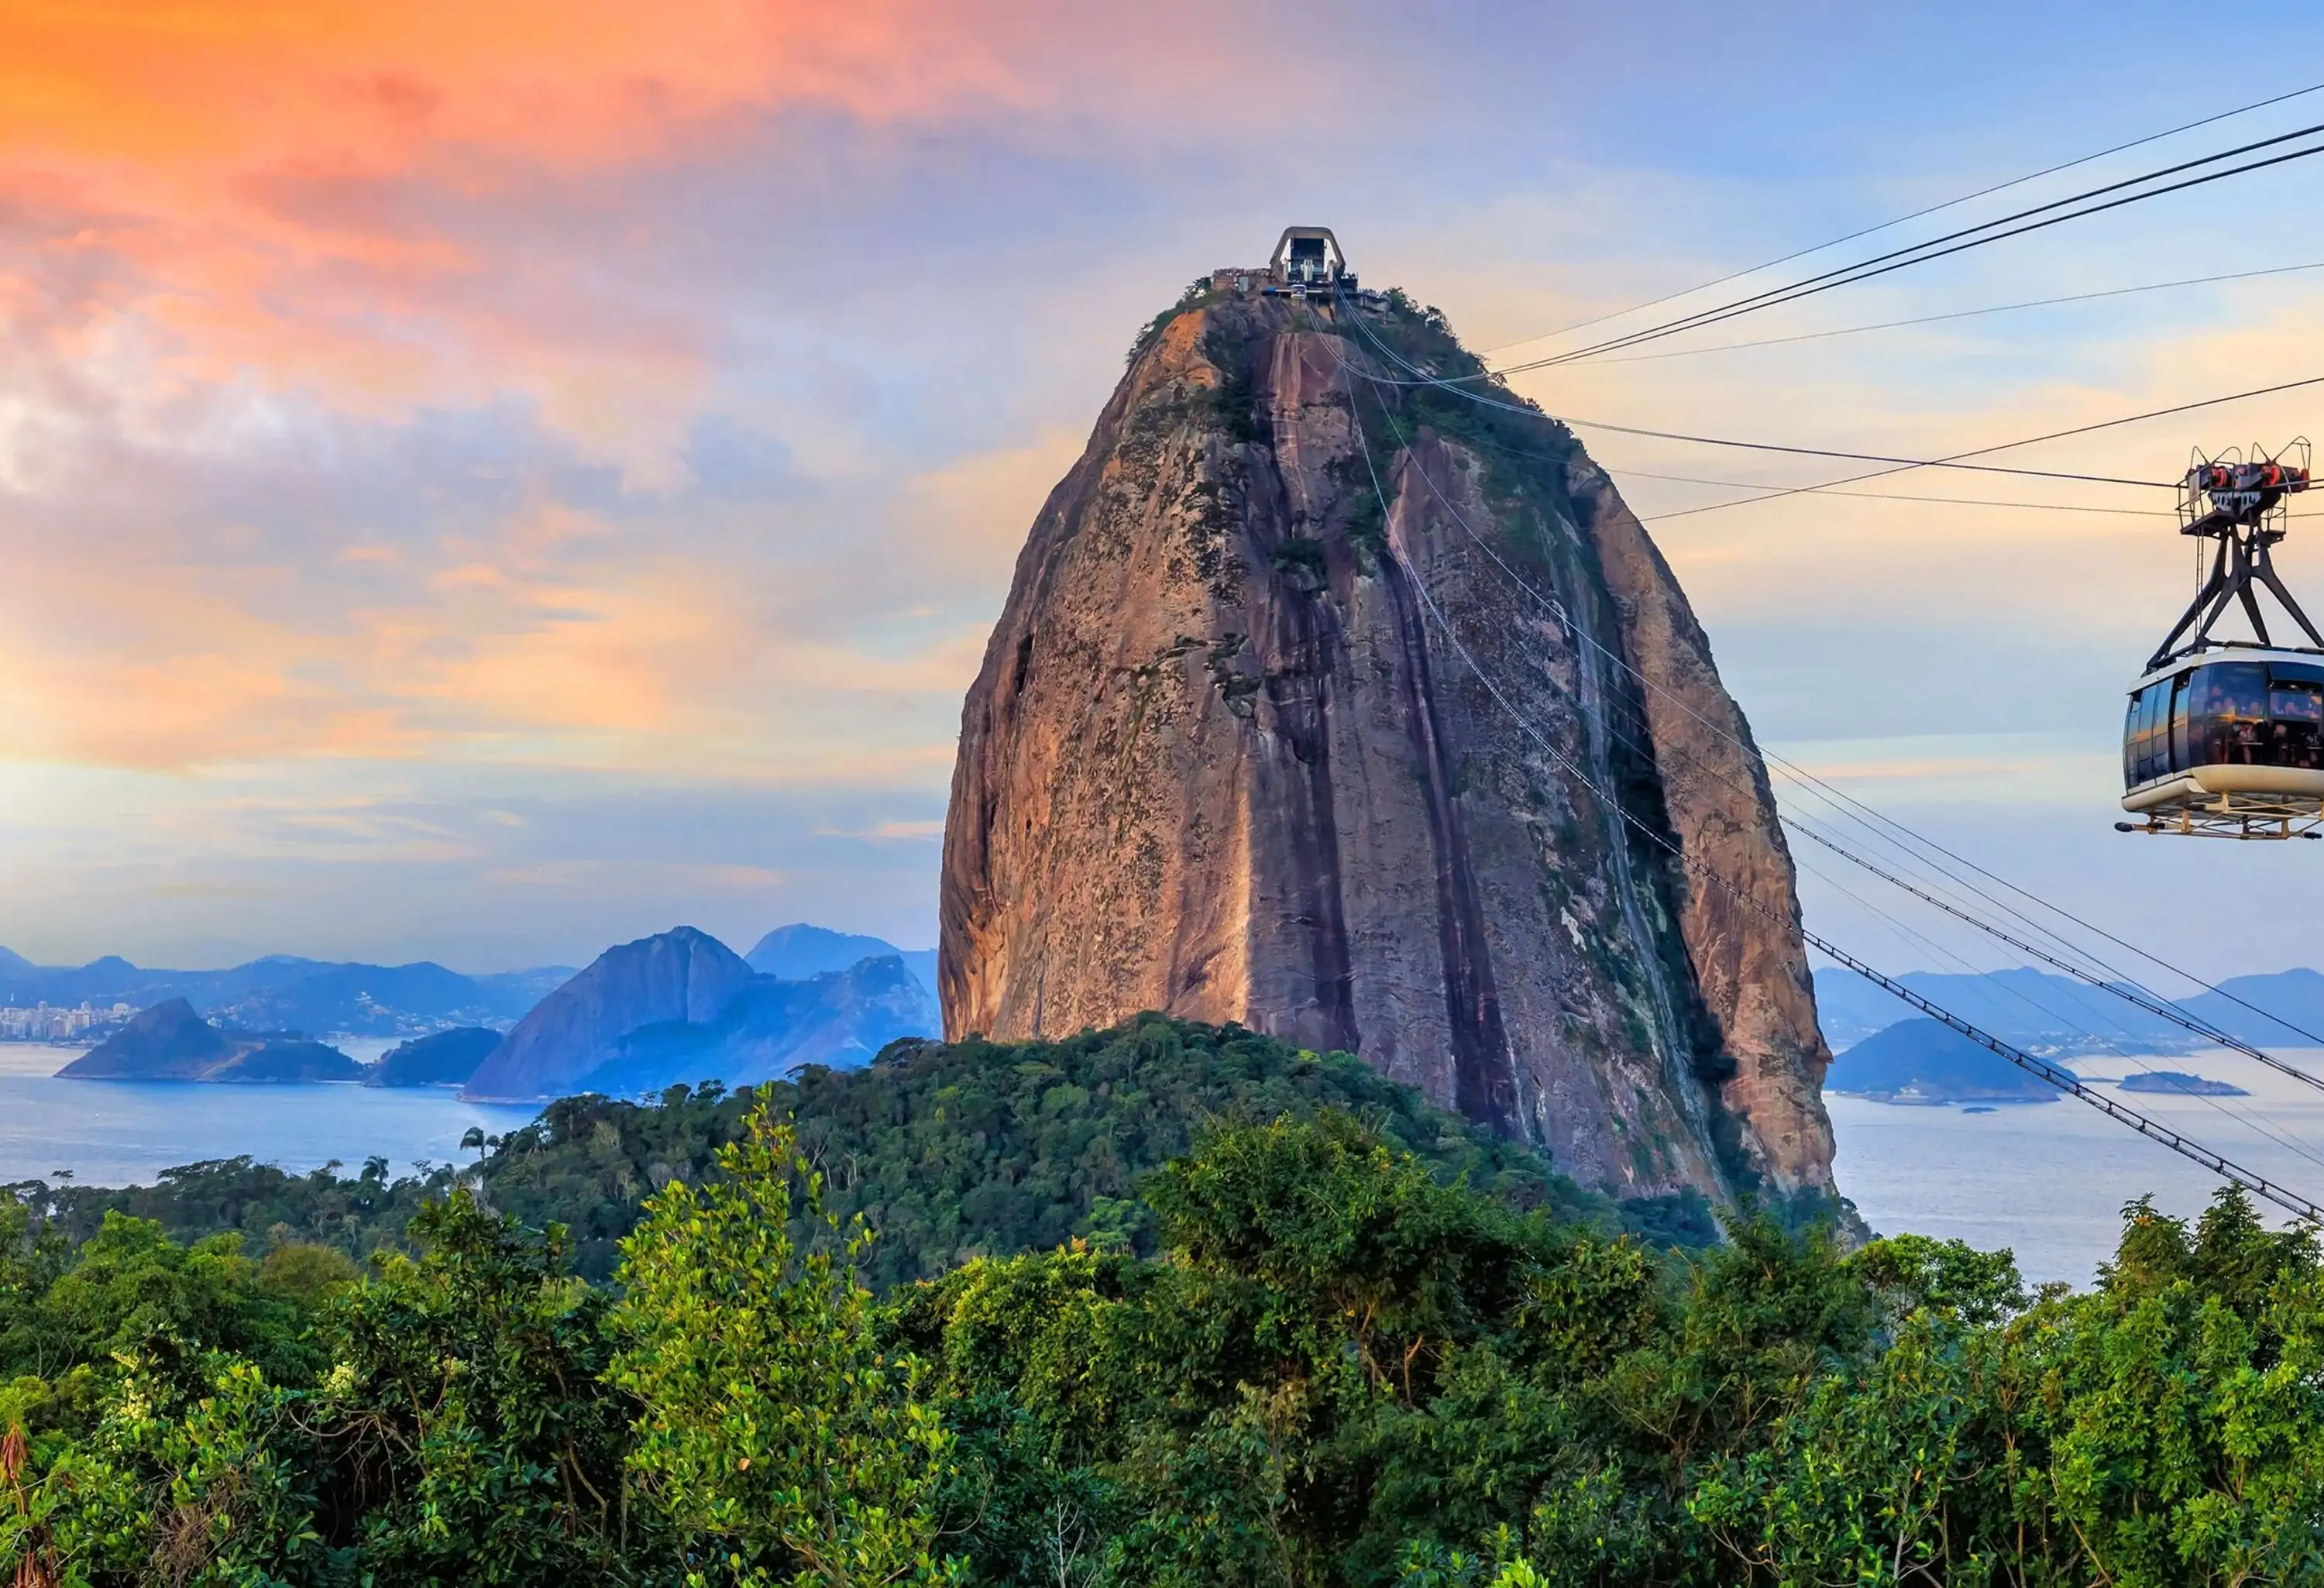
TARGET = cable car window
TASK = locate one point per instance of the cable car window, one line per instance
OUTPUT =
(2153, 704)
(2235, 690)
(2178, 747)
(2297, 718)
(2295, 705)
(2294, 672)
(2227, 714)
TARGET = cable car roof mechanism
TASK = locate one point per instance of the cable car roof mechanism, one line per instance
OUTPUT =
(2225, 738)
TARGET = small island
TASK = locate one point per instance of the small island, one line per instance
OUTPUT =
(171, 1042)
(2181, 1082)
(1927, 1063)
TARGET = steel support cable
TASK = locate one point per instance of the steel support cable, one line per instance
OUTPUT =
(1956, 241)
(2142, 998)
(1952, 461)
(1903, 465)
(1627, 733)
(1915, 215)
(1643, 474)
(2123, 987)
(2065, 1080)
(1850, 801)
(2287, 1138)
(2138, 997)
(1930, 320)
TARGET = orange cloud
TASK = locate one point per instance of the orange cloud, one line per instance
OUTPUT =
(148, 90)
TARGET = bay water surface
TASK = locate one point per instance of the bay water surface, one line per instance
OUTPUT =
(125, 1132)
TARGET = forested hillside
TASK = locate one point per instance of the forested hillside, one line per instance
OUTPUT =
(1336, 1368)
(952, 1151)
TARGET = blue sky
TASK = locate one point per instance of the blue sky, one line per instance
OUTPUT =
(480, 489)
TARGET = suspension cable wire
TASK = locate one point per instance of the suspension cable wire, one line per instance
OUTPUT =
(2291, 1142)
(1902, 466)
(2143, 999)
(2286, 1138)
(2121, 985)
(1955, 242)
(1852, 806)
(1643, 474)
(2056, 1075)
(1916, 214)
(1930, 320)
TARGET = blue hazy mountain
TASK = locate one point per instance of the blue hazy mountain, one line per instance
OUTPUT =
(837, 1018)
(286, 993)
(1927, 1061)
(682, 1006)
(2049, 1013)
(798, 951)
(2294, 996)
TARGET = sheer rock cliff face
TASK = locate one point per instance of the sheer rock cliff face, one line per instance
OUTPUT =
(1247, 746)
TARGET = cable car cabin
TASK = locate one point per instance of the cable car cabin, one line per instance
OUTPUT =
(2231, 745)
(2226, 738)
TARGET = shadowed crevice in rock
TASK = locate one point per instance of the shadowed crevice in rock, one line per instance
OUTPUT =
(1483, 1086)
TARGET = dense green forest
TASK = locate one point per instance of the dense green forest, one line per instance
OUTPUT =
(952, 1150)
(1329, 1345)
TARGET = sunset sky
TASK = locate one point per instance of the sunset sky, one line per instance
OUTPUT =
(479, 483)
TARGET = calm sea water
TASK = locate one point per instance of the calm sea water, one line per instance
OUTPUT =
(2046, 1180)
(2049, 1180)
(125, 1132)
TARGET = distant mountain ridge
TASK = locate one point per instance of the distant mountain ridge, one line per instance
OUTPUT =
(799, 951)
(285, 991)
(2047, 1013)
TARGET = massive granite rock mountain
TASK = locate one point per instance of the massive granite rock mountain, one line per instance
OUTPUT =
(682, 1006)
(1329, 702)
(681, 974)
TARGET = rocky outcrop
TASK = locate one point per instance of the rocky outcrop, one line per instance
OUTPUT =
(682, 974)
(1370, 717)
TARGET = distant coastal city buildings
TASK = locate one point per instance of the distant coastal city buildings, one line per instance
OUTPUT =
(43, 1022)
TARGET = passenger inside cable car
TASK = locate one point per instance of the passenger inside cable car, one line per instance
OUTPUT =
(2226, 714)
